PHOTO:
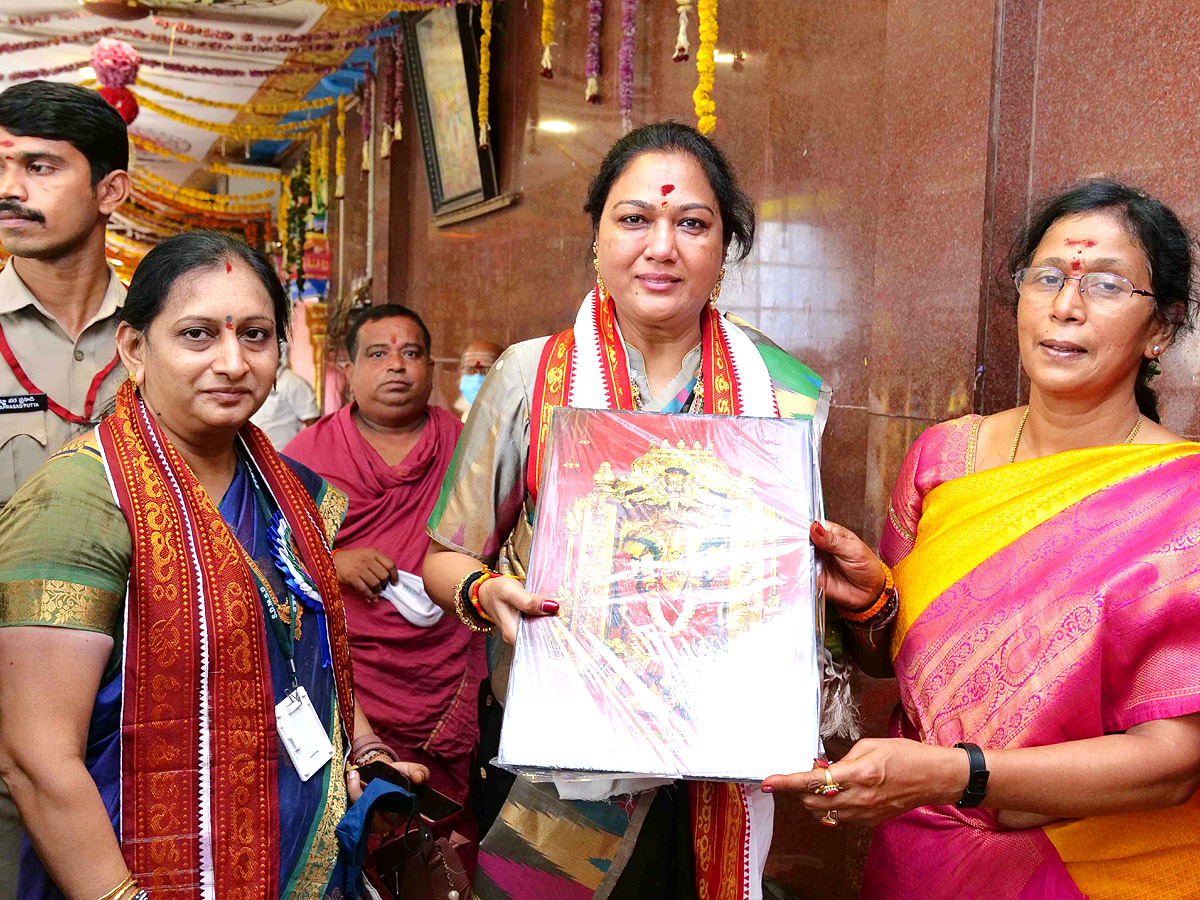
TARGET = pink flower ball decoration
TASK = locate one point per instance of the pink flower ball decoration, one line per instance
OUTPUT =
(115, 63)
(122, 100)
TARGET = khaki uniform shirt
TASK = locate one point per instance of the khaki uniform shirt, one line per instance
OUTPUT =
(60, 367)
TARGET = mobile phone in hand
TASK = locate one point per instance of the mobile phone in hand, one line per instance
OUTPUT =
(432, 806)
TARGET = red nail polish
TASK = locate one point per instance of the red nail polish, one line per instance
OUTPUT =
(821, 763)
(767, 789)
(549, 607)
(819, 529)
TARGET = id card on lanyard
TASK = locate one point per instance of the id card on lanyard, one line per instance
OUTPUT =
(300, 728)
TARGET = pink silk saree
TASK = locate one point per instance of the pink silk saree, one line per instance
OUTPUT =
(1045, 601)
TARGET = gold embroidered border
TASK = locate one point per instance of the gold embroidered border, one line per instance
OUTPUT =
(333, 511)
(45, 601)
(323, 851)
(904, 532)
(972, 446)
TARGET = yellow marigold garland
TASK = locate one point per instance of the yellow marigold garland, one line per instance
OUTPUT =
(207, 196)
(485, 68)
(203, 199)
(220, 168)
(217, 168)
(547, 38)
(706, 68)
(281, 218)
(339, 152)
(323, 163)
(238, 132)
(281, 108)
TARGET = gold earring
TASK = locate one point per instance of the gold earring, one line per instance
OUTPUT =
(715, 293)
(133, 378)
(599, 280)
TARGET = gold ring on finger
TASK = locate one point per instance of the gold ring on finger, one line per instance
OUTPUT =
(830, 818)
(830, 786)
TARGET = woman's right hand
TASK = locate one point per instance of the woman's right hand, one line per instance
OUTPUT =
(504, 599)
(852, 576)
(365, 570)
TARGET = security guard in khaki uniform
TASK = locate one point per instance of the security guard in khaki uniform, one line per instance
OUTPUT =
(63, 159)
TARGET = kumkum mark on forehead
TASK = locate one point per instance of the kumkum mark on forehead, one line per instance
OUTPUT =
(667, 188)
(1080, 242)
(229, 322)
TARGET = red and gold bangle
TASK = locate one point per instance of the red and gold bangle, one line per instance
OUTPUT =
(863, 617)
(466, 605)
(473, 595)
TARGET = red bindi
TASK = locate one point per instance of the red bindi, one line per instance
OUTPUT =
(229, 322)
(667, 188)
(1076, 266)
(228, 267)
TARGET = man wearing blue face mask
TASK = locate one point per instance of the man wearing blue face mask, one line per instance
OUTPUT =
(476, 360)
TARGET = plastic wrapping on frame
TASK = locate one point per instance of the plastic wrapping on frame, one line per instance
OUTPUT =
(689, 638)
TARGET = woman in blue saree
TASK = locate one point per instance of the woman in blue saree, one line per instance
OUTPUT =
(156, 638)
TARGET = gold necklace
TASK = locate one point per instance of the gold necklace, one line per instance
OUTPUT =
(697, 392)
(1012, 457)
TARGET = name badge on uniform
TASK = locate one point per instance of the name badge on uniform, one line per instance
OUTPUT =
(19, 403)
(302, 733)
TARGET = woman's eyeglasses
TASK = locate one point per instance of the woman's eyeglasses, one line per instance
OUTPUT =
(1045, 283)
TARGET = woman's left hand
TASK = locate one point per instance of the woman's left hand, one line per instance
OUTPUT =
(414, 772)
(880, 778)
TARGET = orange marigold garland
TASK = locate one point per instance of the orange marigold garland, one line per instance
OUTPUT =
(706, 68)
(547, 38)
(485, 68)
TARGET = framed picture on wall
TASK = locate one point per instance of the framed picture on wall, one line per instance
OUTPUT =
(443, 68)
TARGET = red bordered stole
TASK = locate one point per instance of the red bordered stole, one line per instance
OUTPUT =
(199, 800)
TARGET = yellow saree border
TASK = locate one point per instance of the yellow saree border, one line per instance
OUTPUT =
(967, 520)
(1133, 856)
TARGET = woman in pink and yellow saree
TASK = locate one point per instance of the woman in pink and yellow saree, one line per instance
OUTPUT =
(1040, 608)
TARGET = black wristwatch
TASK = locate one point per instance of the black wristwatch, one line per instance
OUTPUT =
(978, 779)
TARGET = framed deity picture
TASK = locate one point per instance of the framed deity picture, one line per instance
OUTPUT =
(442, 64)
(677, 548)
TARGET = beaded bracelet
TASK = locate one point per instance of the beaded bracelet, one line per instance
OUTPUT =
(465, 608)
(473, 594)
(880, 614)
(863, 616)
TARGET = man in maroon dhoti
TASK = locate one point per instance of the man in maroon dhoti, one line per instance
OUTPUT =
(388, 450)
